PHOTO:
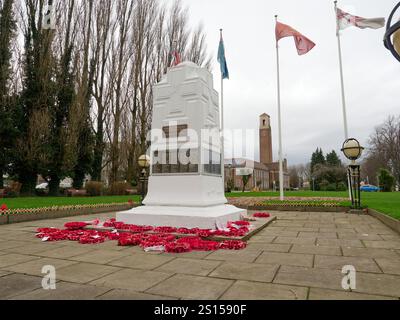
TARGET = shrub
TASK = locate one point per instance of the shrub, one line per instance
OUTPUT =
(119, 188)
(324, 185)
(342, 187)
(42, 192)
(230, 185)
(331, 187)
(386, 180)
(94, 188)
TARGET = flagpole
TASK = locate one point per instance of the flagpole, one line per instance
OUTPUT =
(346, 130)
(281, 176)
(222, 131)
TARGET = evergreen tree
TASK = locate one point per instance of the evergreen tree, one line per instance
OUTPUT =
(317, 158)
(85, 152)
(7, 102)
(56, 169)
(333, 160)
(38, 97)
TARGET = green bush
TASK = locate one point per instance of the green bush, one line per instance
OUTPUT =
(230, 185)
(119, 188)
(386, 180)
(94, 188)
(42, 192)
(341, 187)
(323, 186)
(331, 187)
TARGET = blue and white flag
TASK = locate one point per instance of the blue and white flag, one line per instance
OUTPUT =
(222, 59)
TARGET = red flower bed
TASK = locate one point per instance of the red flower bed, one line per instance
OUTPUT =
(262, 215)
(3, 207)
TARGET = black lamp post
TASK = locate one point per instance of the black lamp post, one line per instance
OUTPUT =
(353, 150)
(144, 164)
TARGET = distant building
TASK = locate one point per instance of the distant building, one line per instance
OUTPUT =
(265, 174)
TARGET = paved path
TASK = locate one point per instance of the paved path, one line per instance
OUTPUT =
(298, 257)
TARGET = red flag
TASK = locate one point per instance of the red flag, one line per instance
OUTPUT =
(303, 44)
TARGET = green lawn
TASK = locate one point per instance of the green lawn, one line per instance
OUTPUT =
(39, 202)
(388, 203)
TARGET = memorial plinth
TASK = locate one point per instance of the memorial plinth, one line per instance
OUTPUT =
(185, 185)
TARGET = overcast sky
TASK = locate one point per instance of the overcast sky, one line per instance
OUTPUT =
(310, 84)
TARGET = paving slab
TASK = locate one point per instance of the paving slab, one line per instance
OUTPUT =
(317, 249)
(16, 284)
(189, 255)
(137, 280)
(346, 230)
(369, 253)
(142, 261)
(247, 255)
(4, 273)
(190, 266)
(18, 236)
(36, 248)
(390, 244)
(388, 237)
(246, 271)
(35, 266)
(291, 240)
(64, 291)
(66, 252)
(289, 223)
(326, 294)
(302, 229)
(390, 266)
(340, 243)
(119, 294)
(359, 236)
(246, 290)
(379, 284)
(309, 277)
(10, 259)
(289, 259)
(269, 247)
(319, 235)
(100, 256)
(192, 287)
(109, 245)
(84, 272)
(336, 262)
(272, 233)
(263, 239)
(4, 245)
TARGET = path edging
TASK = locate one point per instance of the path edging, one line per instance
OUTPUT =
(56, 214)
(392, 223)
(296, 209)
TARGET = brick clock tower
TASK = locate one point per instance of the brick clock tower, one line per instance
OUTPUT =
(266, 156)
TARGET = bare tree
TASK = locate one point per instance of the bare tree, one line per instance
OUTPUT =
(385, 144)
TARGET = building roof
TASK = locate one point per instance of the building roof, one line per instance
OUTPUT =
(245, 163)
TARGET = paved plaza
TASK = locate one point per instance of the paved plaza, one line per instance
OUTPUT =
(300, 256)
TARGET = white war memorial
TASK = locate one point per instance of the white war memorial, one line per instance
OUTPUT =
(186, 184)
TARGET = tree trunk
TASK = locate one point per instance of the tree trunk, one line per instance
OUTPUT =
(28, 181)
(78, 180)
(54, 187)
(1, 179)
